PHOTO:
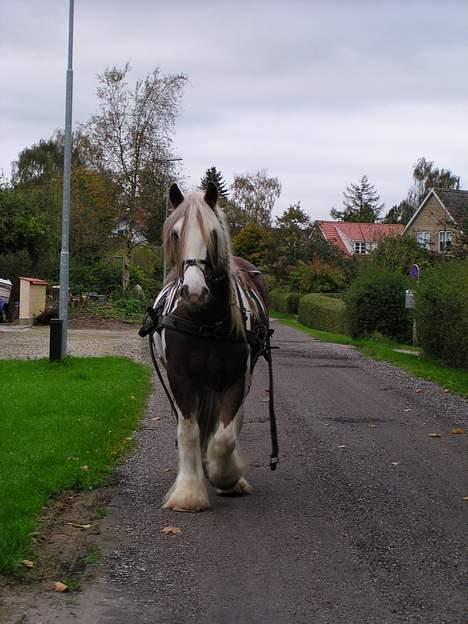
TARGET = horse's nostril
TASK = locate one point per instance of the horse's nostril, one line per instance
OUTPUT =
(204, 293)
(184, 292)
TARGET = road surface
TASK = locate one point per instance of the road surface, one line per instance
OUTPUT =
(362, 523)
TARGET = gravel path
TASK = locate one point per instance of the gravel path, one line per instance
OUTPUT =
(361, 524)
(33, 342)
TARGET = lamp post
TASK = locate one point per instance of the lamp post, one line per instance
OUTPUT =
(167, 161)
(67, 148)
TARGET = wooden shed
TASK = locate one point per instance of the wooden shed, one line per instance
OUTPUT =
(32, 298)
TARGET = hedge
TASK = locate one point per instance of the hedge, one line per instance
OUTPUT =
(283, 300)
(322, 312)
(442, 312)
(375, 302)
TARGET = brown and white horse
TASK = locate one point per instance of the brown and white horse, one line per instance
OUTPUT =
(213, 311)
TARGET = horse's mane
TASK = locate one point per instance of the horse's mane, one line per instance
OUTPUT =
(195, 212)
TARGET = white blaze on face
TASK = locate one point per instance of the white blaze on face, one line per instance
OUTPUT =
(195, 249)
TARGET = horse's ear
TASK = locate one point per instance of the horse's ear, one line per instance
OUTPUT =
(175, 196)
(211, 194)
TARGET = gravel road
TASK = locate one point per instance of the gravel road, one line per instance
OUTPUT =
(362, 523)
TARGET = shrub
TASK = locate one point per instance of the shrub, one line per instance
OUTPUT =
(316, 276)
(442, 312)
(399, 252)
(375, 302)
(322, 312)
(283, 300)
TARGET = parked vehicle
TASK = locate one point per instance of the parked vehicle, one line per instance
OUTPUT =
(5, 291)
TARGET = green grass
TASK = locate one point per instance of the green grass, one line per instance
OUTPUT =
(62, 426)
(454, 379)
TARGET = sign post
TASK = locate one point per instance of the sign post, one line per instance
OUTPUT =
(415, 272)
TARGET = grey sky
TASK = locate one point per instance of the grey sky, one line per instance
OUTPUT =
(317, 92)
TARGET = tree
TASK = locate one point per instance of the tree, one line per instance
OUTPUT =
(400, 213)
(215, 176)
(130, 139)
(291, 233)
(252, 243)
(427, 176)
(256, 194)
(361, 203)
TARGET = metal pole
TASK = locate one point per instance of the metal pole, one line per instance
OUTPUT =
(65, 253)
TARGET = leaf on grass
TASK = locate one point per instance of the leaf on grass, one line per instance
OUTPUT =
(27, 563)
(79, 526)
(133, 397)
(418, 390)
(156, 418)
(458, 431)
(171, 530)
(85, 468)
(60, 587)
(434, 435)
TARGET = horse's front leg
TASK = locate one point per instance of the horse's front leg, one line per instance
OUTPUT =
(189, 491)
(224, 465)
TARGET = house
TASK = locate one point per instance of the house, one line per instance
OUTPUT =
(439, 220)
(356, 238)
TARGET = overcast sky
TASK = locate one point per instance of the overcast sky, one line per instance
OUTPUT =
(316, 92)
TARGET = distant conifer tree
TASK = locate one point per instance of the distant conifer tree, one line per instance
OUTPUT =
(215, 176)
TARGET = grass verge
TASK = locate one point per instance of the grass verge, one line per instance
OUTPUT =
(62, 426)
(454, 379)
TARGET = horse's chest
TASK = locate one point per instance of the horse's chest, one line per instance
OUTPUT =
(206, 362)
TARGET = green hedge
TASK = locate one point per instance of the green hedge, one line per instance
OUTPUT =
(283, 300)
(442, 312)
(375, 302)
(322, 312)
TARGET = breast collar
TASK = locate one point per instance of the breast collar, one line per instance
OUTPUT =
(163, 316)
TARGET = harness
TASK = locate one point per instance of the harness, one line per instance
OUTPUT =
(257, 336)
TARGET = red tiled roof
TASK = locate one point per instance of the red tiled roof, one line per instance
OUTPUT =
(334, 231)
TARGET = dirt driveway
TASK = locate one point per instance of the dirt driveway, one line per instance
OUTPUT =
(109, 339)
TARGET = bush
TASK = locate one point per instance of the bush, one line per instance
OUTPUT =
(103, 276)
(283, 300)
(316, 276)
(375, 302)
(322, 312)
(442, 312)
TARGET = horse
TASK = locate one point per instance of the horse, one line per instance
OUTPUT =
(210, 327)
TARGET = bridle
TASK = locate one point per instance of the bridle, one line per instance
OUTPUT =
(204, 265)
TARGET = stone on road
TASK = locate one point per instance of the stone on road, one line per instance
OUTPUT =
(361, 523)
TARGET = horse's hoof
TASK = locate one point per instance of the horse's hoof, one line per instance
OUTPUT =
(186, 499)
(241, 487)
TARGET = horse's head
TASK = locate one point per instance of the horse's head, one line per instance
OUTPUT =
(196, 241)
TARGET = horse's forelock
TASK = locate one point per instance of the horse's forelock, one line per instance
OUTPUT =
(195, 211)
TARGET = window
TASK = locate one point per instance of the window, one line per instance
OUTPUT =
(424, 239)
(360, 247)
(445, 241)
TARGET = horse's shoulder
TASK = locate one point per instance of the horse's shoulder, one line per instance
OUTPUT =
(248, 275)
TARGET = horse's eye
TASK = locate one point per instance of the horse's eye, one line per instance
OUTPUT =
(175, 236)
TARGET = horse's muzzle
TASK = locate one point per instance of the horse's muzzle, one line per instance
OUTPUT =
(192, 298)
